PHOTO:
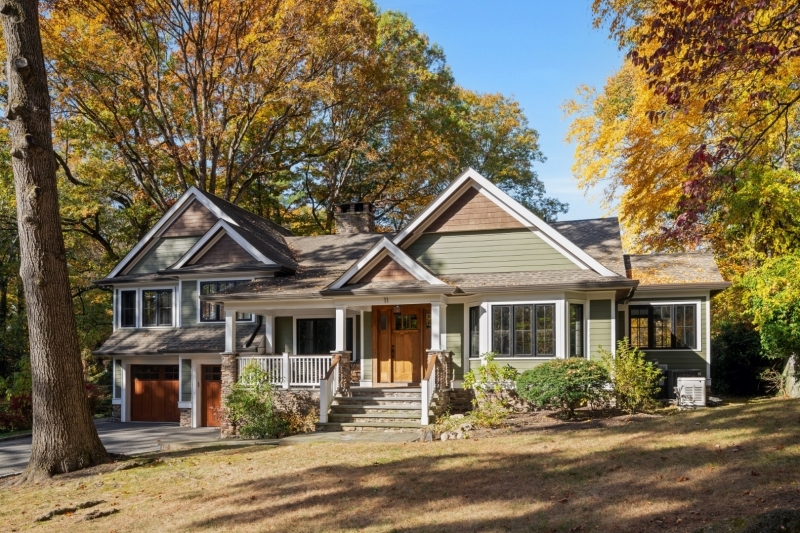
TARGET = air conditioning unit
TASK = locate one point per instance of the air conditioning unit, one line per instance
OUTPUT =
(691, 392)
(674, 375)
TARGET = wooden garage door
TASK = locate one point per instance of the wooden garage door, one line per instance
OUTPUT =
(155, 393)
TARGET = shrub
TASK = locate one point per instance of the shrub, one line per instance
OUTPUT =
(16, 413)
(251, 408)
(490, 375)
(563, 384)
(736, 360)
(635, 380)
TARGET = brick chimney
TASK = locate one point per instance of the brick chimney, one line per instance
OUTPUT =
(355, 217)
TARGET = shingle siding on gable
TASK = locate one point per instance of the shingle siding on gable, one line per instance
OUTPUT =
(195, 220)
(163, 254)
(487, 252)
(473, 211)
(225, 250)
(387, 269)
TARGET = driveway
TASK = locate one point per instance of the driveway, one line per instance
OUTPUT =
(129, 439)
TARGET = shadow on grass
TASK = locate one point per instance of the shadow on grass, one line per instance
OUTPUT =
(661, 474)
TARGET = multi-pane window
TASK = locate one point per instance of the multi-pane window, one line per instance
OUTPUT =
(214, 312)
(663, 326)
(526, 330)
(576, 330)
(157, 307)
(316, 336)
(474, 331)
(127, 309)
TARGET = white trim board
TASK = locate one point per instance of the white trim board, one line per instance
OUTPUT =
(511, 206)
(176, 210)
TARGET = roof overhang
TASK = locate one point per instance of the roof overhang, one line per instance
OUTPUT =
(703, 286)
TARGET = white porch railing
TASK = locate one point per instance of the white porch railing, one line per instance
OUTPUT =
(289, 371)
(428, 388)
(327, 388)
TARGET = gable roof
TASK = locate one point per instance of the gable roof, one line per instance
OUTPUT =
(383, 248)
(264, 235)
(212, 236)
(598, 237)
(471, 178)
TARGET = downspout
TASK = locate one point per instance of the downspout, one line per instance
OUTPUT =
(251, 338)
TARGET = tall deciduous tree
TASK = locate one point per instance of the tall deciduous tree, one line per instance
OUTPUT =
(64, 435)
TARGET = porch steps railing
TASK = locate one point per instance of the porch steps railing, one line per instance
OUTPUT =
(428, 388)
(289, 371)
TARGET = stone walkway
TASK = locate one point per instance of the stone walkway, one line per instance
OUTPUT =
(351, 436)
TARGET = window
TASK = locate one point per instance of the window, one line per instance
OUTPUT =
(576, 330)
(127, 309)
(317, 336)
(524, 330)
(474, 331)
(211, 312)
(157, 307)
(663, 326)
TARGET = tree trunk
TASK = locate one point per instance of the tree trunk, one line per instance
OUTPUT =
(64, 435)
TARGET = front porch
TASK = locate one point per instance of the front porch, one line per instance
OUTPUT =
(388, 367)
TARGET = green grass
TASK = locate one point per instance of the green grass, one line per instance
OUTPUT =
(675, 473)
(13, 433)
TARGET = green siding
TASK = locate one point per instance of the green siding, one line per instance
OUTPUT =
(163, 254)
(189, 303)
(284, 341)
(357, 339)
(599, 327)
(367, 368)
(682, 359)
(487, 251)
(455, 337)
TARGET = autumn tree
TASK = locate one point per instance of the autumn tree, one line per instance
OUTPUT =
(64, 437)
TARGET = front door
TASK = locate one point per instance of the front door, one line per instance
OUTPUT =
(400, 337)
(211, 385)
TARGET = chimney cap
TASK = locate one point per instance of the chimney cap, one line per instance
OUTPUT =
(355, 207)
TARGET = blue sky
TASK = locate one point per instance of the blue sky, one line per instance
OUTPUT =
(538, 51)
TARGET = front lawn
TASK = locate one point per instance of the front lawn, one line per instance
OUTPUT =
(7, 434)
(672, 473)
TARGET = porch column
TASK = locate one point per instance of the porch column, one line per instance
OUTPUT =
(438, 326)
(269, 335)
(230, 372)
(341, 349)
(341, 328)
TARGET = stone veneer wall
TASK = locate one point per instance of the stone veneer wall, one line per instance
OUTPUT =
(116, 413)
(300, 401)
(461, 400)
(186, 418)
(230, 373)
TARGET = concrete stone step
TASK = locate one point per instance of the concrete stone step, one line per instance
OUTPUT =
(373, 418)
(369, 426)
(371, 400)
(385, 392)
(376, 408)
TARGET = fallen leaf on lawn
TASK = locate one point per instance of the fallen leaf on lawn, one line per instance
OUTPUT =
(682, 478)
(754, 473)
(564, 500)
(779, 447)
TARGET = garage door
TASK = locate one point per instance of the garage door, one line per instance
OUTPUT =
(155, 393)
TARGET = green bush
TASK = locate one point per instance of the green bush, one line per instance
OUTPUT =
(563, 384)
(251, 408)
(736, 360)
(490, 375)
(635, 380)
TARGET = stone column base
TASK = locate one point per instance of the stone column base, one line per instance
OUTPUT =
(116, 413)
(186, 418)
(230, 374)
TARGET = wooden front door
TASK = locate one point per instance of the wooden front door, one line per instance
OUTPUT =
(400, 338)
(155, 393)
(211, 392)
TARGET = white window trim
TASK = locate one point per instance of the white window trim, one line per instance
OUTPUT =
(140, 306)
(585, 332)
(560, 351)
(217, 280)
(699, 325)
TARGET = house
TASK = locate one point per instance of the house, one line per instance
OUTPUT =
(379, 325)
